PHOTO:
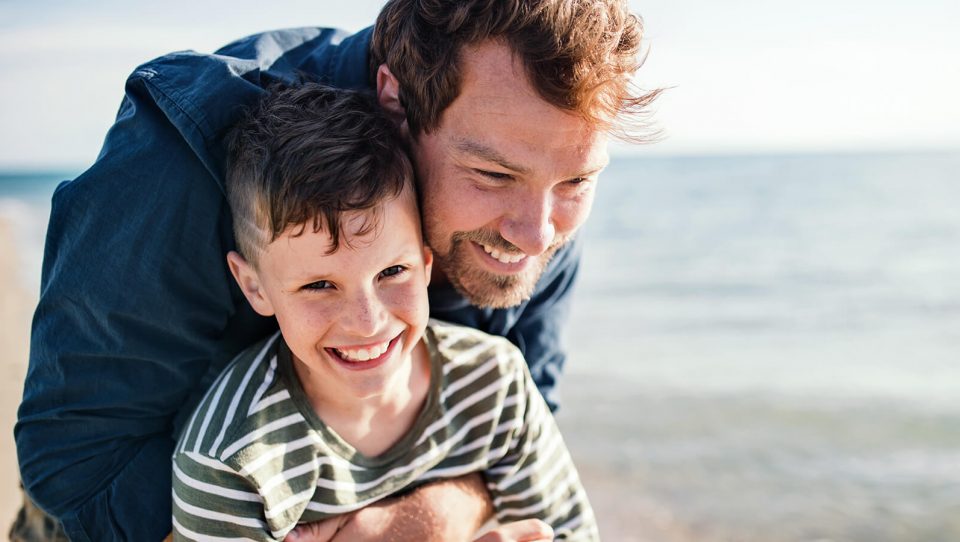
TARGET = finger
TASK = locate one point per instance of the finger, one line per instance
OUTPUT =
(318, 531)
(528, 530)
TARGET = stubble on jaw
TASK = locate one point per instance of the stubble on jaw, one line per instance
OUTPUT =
(483, 288)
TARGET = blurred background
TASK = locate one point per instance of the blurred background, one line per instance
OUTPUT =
(765, 335)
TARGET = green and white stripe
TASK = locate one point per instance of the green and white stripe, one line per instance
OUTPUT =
(255, 460)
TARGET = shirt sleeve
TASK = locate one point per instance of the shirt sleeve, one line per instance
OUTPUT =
(537, 477)
(538, 331)
(211, 501)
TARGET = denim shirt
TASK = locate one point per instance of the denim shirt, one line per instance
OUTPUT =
(138, 310)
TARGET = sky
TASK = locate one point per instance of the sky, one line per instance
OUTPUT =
(743, 77)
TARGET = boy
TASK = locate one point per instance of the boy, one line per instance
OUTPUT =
(358, 397)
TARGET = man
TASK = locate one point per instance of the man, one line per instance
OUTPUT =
(506, 105)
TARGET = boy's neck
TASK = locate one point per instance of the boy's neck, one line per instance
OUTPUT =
(373, 425)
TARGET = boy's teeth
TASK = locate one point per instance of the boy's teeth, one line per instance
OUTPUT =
(503, 257)
(364, 354)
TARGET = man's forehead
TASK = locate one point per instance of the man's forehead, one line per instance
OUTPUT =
(586, 156)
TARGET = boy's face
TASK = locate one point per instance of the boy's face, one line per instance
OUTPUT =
(352, 317)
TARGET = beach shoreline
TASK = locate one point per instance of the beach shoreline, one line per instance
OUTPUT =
(16, 310)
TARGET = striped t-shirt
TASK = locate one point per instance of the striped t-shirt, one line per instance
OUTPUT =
(255, 459)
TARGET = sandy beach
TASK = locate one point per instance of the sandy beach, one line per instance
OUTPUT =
(16, 308)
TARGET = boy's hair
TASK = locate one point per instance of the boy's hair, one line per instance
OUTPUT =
(304, 156)
(580, 55)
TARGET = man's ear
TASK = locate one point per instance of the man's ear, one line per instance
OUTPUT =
(427, 262)
(249, 281)
(388, 94)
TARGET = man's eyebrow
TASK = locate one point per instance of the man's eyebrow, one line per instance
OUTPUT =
(487, 154)
(600, 166)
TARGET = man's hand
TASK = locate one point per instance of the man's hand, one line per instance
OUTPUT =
(318, 531)
(528, 530)
(444, 511)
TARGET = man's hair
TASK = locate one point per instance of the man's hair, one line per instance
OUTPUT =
(580, 55)
(304, 156)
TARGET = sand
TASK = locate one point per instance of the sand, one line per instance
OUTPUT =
(16, 309)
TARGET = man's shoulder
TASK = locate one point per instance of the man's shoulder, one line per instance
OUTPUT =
(203, 95)
(331, 55)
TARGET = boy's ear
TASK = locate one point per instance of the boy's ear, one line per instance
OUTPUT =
(249, 281)
(427, 262)
(388, 94)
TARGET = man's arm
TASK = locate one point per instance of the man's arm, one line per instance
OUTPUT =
(420, 524)
(136, 301)
(443, 511)
(133, 302)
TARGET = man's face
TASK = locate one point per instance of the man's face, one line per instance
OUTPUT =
(505, 180)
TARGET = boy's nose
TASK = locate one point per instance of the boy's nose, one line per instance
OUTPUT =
(365, 315)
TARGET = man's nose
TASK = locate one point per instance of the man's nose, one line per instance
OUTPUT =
(530, 225)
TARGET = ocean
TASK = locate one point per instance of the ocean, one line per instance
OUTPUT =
(761, 347)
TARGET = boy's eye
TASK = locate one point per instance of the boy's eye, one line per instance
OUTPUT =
(392, 270)
(319, 285)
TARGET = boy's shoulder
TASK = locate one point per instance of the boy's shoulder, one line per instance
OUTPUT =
(462, 337)
(248, 393)
(461, 346)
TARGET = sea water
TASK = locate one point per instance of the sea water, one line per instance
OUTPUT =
(761, 348)
(768, 348)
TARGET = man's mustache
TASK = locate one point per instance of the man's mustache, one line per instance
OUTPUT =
(493, 239)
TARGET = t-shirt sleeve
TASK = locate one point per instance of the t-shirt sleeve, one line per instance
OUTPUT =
(212, 501)
(537, 478)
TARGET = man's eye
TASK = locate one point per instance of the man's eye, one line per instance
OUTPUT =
(579, 185)
(495, 175)
(318, 285)
(393, 270)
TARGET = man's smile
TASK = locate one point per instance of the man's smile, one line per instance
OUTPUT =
(502, 256)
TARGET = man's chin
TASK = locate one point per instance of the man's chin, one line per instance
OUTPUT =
(494, 291)
(486, 289)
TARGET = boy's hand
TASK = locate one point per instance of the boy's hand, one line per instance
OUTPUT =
(444, 511)
(528, 530)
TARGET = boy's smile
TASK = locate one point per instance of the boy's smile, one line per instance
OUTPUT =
(360, 358)
(353, 319)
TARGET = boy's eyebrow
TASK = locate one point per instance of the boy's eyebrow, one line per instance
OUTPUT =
(488, 154)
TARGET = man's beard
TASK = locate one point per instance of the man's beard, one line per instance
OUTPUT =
(483, 288)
